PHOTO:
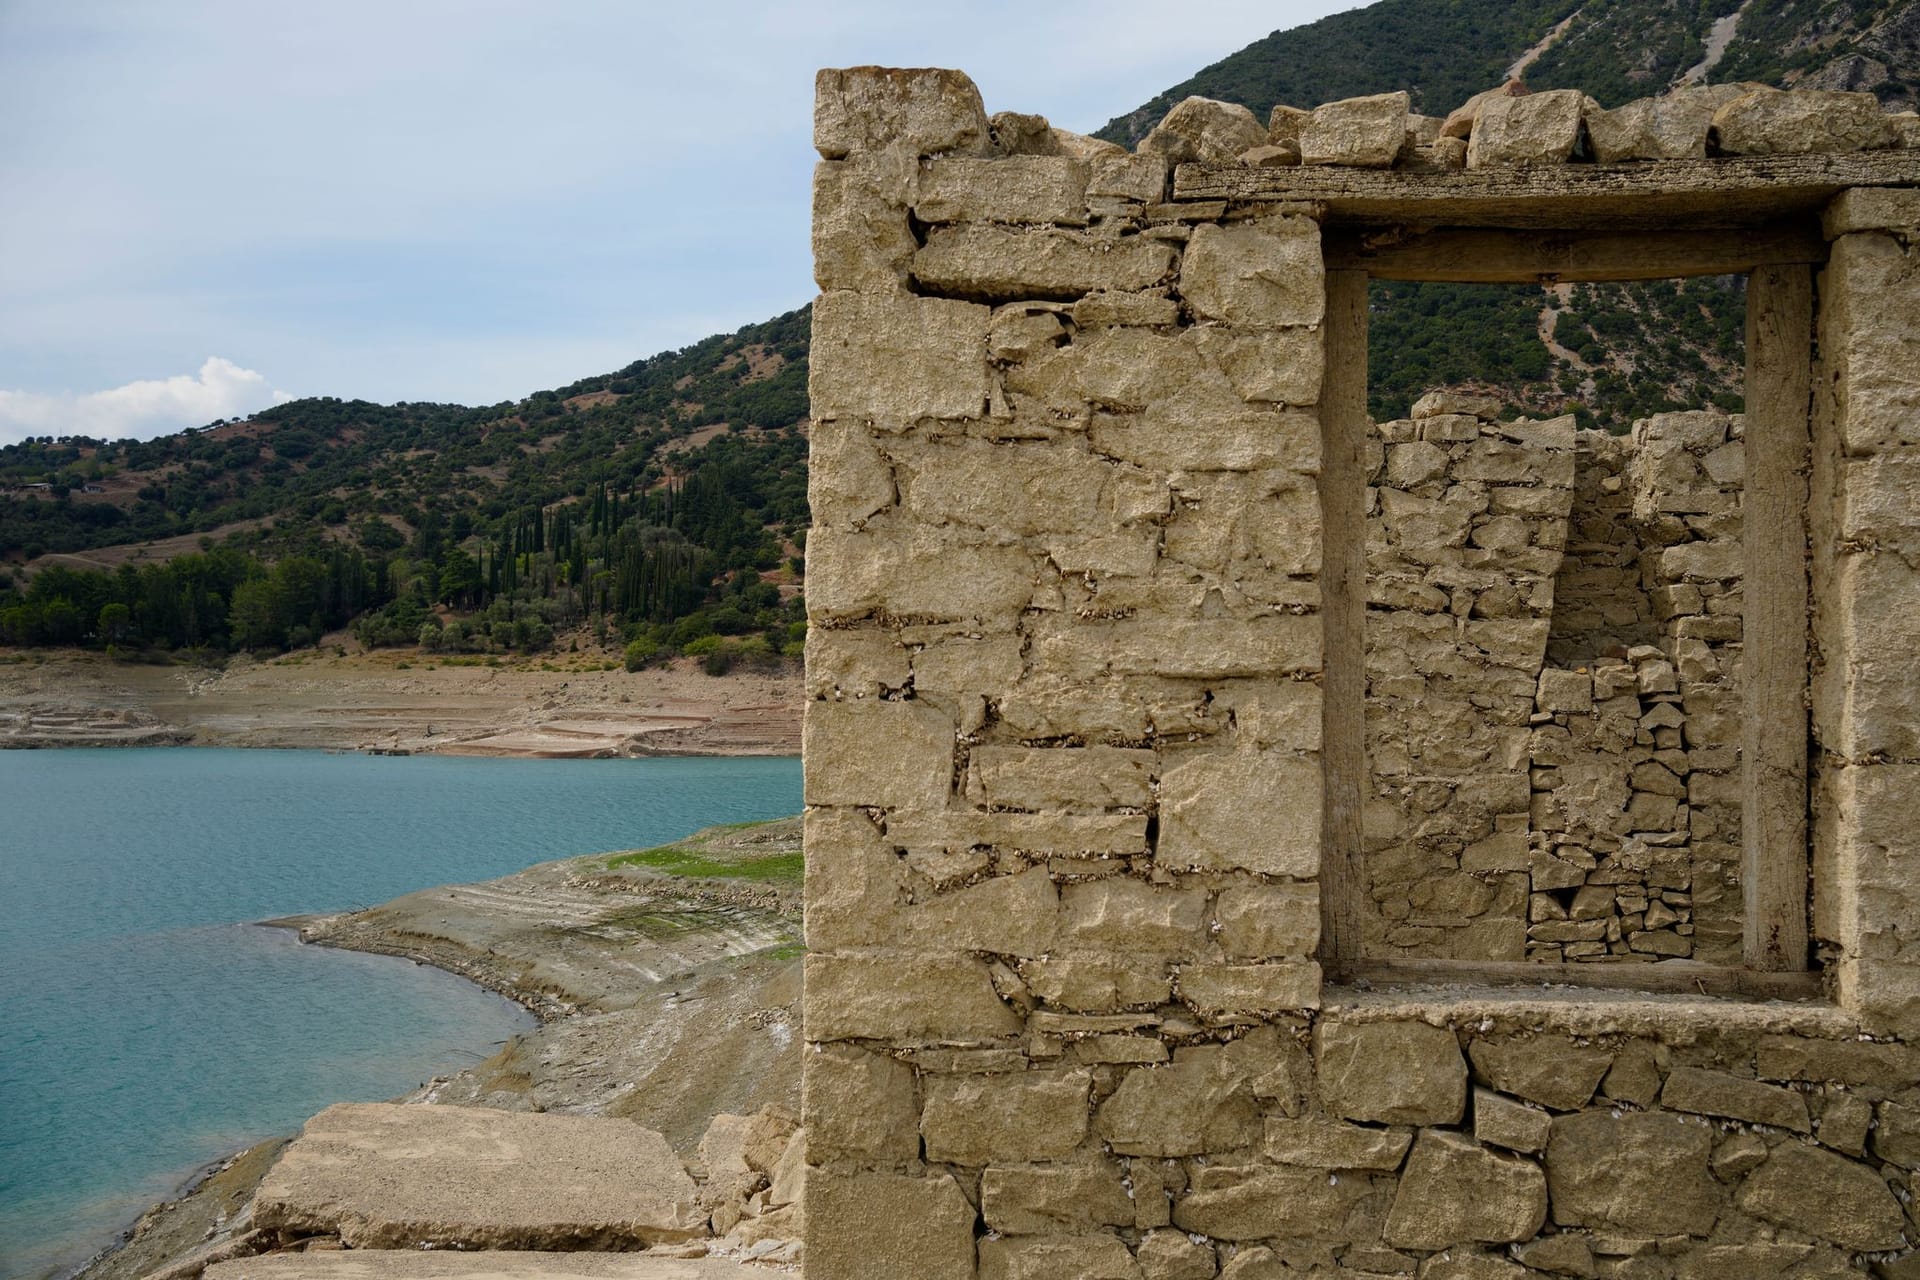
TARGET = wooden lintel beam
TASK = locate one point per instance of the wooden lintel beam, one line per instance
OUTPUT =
(1669, 977)
(1665, 194)
(1468, 255)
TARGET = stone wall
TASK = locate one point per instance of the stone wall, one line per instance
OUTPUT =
(1465, 537)
(1064, 761)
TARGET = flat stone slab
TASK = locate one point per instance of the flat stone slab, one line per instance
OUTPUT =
(380, 1175)
(412, 1264)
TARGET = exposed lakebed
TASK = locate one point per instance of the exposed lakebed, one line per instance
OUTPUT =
(150, 1032)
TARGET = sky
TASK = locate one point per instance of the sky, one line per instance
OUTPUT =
(210, 206)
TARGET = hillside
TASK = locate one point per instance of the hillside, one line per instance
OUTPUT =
(663, 507)
(1443, 51)
(674, 489)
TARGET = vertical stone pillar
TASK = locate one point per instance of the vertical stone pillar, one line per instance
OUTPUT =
(1865, 517)
(1063, 739)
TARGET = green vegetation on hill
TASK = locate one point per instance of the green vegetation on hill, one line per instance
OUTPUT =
(665, 502)
(1440, 51)
(1444, 51)
(1636, 349)
(1842, 44)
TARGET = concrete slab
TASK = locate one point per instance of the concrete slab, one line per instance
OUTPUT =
(380, 1175)
(410, 1264)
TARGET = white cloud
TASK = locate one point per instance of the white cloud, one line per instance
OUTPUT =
(150, 407)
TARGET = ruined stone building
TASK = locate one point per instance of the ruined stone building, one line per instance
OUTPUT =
(1248, 840)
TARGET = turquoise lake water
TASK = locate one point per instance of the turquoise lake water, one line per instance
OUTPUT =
(148, 1029)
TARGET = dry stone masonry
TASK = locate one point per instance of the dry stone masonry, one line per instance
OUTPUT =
(1203, 782)
(1553, 640)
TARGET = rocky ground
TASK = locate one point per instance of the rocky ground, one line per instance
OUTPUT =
(668, 985)
(559, 705)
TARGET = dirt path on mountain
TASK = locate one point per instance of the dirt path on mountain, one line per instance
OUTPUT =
(559, 706)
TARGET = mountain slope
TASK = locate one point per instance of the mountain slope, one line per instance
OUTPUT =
(1443, 51)
(666, 503)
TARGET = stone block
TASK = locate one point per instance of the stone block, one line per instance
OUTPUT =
(1390, 1072)
(1255, 437)
(1203, 129)
(862, 239)
(1179, 375)
(1124, 915)
(1671, 127)
(1284, 125)
(992, 1119)
(1057, 1257)
(1009, 915)
(897, 358)
(924, 111)
(1242, 810)
(386, 1176)
(1435, 404)
(1880, 503)
(1871, 209)
(1073, 779)
(1565, 1254)
(1844, 1122)
(1029, 1200)
(1284, 714)
(1004, 488)
(1262, 1202)
(1801, 122)
(855, 664)
(1715, 1093)
(1200, 1103)
(904, 998)
(843, 769)
(1501, 1121)
(1869, 289)
(1172, 1255)
(1256, 275)
(1267, 644)
(1215, 990)
(1538, 129)
(1008, 263)
(1366, 132)
(1026, 189)
(1061, 835)
(859, 1107)
(1119, 1050)
(1857, 1063)
(982, 665)
(1864, 696)
(1136, 177)
(853, 886)
(1106, 310)
(1266, 920)
(1718, 561)
(847, 479)
(1331, 1144)
(922, 576)
(1455, 1191)
(883, 1224)
(1643, 1173)
(1269, 366)
(1824, 1195)
(1093, 983)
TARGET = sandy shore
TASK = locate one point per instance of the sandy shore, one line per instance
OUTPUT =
(559, 706)
(668, 989)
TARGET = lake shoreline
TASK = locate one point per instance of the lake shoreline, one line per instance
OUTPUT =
(401, 702)
(595, 1016)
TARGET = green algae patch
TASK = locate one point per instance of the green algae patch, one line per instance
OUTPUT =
(767, 852)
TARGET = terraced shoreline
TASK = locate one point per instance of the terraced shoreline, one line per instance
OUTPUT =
(667, 982)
